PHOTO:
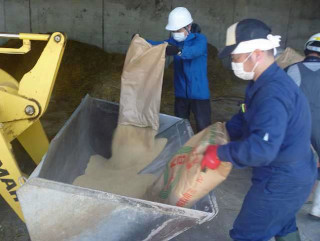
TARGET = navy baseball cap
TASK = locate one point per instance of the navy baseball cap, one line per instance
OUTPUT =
(245, 30)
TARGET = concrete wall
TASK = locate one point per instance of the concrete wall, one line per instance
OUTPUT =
(110, 24)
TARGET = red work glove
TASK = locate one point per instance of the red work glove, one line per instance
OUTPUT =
(210, 159)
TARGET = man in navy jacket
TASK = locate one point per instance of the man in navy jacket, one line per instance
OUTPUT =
(190, 68)
(271, 134)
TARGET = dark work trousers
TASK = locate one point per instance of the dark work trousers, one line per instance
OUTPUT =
(201, 110)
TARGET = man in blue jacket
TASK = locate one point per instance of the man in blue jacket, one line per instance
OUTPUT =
(190, 68)
(271, 134)
(306, 75)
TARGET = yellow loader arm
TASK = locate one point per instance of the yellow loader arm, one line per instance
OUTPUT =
(21, 106)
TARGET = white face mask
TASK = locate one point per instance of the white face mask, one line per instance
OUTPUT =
(179, 36)
(238, 70)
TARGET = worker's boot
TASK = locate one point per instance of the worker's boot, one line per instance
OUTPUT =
(295, 236)
(315, 210)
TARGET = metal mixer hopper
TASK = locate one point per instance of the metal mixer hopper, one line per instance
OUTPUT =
(56, 210)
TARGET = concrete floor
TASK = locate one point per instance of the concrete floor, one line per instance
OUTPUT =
(11, 227)
(230, 195)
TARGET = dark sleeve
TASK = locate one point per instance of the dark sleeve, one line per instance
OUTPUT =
(234, 126)
(267, 131)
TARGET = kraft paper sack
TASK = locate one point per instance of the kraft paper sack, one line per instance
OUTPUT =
(141, 84)
(183, 182)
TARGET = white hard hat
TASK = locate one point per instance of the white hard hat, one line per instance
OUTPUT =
(178, 18)
(309, 43)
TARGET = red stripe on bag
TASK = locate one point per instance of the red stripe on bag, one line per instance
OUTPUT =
(178, 160)
(186, 197)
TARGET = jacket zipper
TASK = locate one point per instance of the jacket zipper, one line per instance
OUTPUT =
(185, 77)
(185, 80)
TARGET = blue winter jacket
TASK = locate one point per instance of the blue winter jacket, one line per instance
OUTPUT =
(273, 134)
(190, 69)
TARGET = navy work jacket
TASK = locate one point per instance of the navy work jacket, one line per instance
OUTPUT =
(272, 132)
(190, 68)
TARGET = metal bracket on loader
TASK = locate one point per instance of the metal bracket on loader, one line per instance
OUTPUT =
(22, 104)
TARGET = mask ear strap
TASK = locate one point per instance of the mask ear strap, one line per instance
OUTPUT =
(255, 66)
(186, 28)
(247, 57)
